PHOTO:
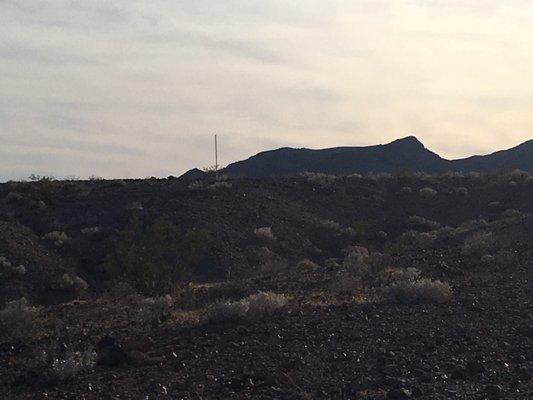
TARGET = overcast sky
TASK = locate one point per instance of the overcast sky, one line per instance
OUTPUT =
(131, 88)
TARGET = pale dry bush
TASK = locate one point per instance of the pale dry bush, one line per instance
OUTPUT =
(18, 320)
(462, 191)
(67, 367)
(356, 264)
(407, 189)
(90, 231)
(511, 213)
(319, 178)
(354, 176)
(344, 283)
(155, 309)
(417, 292)
(58, 237)
(264, 233)
(74, 283)
(474, 175)
(518, 175)
(329, 224)
(255, 307)
(418, 222)
(427, 193)
(488, 259)
(472, 224)
(307, 265)
(220, 185)
(478, 243)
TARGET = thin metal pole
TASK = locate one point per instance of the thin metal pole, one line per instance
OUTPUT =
(216, 158)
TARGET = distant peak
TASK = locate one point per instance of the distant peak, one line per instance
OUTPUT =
(410, 141)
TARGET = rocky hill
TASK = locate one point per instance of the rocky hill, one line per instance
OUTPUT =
(403, 155)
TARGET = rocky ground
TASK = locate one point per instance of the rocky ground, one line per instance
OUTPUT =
(338, 335)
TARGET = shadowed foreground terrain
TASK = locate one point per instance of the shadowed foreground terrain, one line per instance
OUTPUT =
(315, 287)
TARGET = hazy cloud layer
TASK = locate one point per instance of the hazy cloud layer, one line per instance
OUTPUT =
(133, 88)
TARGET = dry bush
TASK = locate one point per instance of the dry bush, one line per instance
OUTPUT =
(511, 213)
(355, 263)
(74, 283)
(406, 190)
(89, 231)
(462, 191)
(474, 175)
(472, 224)
(417, 292)
(354, 176)
(427, 193)
(344, 283)
(155, 309)
(422, 223)
(255, 307)
(220, 185)
(307, 265)
(329, 224)
(518, 175)
(57, 237)
(391, 275)
(67, 367)
(18, 320)
(478, 243)
(488, 259)
(319, 178)
(264, 233)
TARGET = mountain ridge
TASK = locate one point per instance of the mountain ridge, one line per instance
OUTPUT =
(407, 154)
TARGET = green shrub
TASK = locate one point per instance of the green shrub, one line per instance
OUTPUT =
(153, 257)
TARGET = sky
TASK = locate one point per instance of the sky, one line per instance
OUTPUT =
(131, 88)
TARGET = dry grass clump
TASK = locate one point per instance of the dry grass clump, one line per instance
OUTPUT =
(511, 213)
(417, 291)
(319, 178)
(255, 307)
(57, 237)
(74, 283)
(427, 193)
(478, 243)
(307, 265)
(18, 320)
(422, 223)
(155, 309)
(264, 233)
(67, 367)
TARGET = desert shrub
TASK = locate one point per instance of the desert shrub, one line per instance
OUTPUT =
(57, 237)
(89, 231)
(473, 224)
(343, 283)
(155, 309)
(264, 304)
(473, 175)
(356, 264)
(14, 197)
(196, 185)
(363, 251)
(529, 181)
(518, 175)
(414, 238)
(391, 275)
(513, 183)
(453, 175)
(358, 229)
(331, 263)
(354, 176)
(427, 192)
(329, 224)
(257, 306)
(319, 178)
(264, 233)
(487, 259)
(220, 185)
(494, 206)
(67, 367)
(379, 175)
(478, 243)
(307, 265)
(417, 291)
(152, 257)
(6, 265)
(446, 232)
(510, 213)
(74, 283)
(406, 190)
(462, 191)
(421, 223)
(18, 320)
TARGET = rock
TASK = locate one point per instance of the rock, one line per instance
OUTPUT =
(109, 353)
(459, 374)
(475, 368)
(399, 394)
(493, 391)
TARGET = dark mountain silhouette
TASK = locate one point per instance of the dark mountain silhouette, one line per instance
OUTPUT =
(402, 155)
